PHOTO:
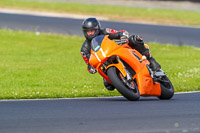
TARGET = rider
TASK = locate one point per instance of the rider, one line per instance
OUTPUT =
(92, 28)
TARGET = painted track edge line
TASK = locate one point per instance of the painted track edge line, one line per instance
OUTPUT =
(48, 99)
(187, 92)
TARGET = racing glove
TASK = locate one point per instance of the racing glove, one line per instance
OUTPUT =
(91, 69)
(124, 37)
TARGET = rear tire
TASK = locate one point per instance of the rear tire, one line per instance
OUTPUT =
(115, 76)
(167, 89)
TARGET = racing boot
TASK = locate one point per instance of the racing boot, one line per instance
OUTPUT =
(154, 65)
(108, 85)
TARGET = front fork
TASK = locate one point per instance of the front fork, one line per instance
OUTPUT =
(128, 76)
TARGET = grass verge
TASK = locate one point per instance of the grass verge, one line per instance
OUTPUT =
(158, 16)
(49, 65)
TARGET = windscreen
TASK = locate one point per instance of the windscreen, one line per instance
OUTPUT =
(96, 42)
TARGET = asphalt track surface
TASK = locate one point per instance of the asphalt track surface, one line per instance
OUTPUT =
(150, 33)
(181, 114)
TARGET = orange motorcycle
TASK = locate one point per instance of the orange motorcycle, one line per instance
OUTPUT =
(127, 71)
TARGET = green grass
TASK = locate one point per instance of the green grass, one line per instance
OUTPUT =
(44, 66)
(181, 63)
(160, 16)
(50, 65)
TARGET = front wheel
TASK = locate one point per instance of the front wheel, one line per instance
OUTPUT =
(127, 88)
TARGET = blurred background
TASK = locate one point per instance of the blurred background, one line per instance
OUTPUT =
(167, 4)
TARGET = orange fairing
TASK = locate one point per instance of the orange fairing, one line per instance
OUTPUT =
(146, 85)
(120, 67)
(108, 48)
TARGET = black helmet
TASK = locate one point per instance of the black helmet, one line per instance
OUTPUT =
(91, 24)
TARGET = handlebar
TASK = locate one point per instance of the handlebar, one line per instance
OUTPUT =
(120, 42)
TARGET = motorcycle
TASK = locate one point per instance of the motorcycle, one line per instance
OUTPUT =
(127, 70)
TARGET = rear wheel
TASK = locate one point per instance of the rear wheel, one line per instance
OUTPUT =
(167, 89)
(128, 88)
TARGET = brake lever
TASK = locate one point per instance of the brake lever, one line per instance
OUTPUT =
(120, 42)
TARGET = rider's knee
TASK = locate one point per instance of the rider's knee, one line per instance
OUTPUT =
(135, 41)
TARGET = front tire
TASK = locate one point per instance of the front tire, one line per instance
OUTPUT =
(131, 93)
